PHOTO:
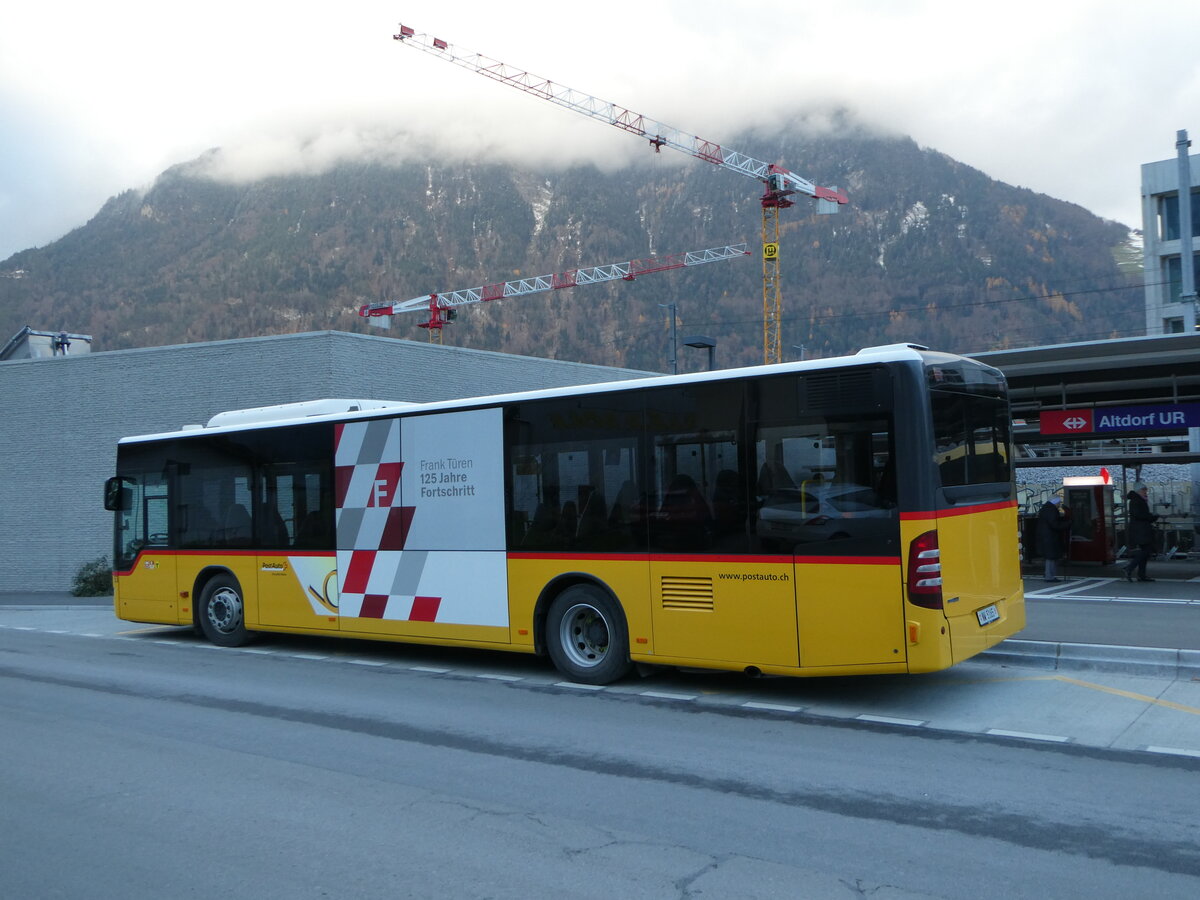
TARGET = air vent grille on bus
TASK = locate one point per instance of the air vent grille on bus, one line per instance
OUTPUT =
(838, 389)
(687, 592)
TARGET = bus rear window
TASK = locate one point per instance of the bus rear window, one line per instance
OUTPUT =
(971, 434)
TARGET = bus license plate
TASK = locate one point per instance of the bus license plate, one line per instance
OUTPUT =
(988, 615)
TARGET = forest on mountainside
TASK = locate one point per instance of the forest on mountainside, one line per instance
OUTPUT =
(928, 250)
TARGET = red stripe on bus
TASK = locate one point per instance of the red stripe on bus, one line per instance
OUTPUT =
(956, 511)
(848, 560)
(548, 555)
(721, 558)
(559, 556)
(707, 558)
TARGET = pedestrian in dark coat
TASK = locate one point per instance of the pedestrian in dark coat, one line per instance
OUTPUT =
(1139, 531)
(1052, 524)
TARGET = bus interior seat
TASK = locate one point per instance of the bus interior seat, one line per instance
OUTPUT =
(544, 522)
(728, 501)
(682, 491)
(593, 513)
(621, 512)
(569, 520)
(315, 528)
(236, 524)
(275, 530)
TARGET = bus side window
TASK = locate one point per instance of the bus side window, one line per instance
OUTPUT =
(565, 459)
(827, 485)
(699, 482)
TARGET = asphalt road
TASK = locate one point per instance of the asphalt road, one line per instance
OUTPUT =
(146, 763)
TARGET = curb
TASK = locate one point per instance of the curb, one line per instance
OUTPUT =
(1149, 661)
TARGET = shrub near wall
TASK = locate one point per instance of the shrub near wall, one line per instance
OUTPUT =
(93, 579)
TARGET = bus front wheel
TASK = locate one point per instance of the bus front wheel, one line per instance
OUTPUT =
(586, 636)
(222, 612)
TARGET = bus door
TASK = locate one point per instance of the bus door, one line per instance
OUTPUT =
(826, 497)
(297, 563)
(145, 588)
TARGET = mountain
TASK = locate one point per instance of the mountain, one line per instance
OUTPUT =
(928, 250)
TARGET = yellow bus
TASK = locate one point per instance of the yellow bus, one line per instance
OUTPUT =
(831, 517)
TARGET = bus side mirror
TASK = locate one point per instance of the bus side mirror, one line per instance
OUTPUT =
(117, 497)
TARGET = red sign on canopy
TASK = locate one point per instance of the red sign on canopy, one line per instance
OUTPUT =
(1066, 421)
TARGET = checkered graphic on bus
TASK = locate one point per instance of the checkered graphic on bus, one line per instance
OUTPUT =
(401, 489)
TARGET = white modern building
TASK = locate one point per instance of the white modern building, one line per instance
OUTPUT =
(1166, 244)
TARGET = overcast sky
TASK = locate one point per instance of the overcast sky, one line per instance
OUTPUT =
(1065, 97)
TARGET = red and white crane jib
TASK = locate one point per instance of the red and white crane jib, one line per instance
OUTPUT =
(440, 305)
(779, 181)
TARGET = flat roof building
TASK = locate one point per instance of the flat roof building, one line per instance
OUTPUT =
(63, 417)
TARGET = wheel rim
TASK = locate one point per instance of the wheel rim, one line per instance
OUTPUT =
(583, 634)
(225, 610)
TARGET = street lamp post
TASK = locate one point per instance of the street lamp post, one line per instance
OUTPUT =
(702, 342)
(674, 358)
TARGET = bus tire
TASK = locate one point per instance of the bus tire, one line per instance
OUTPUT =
(222, 612)
(586, 636)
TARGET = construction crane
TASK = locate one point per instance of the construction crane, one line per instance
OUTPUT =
(443, 307)
(780, 184)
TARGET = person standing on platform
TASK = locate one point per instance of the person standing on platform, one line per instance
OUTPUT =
(1139, 531)
(1052, 524)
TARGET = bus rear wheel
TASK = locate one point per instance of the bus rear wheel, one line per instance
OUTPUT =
(586, 636)
(222, 612)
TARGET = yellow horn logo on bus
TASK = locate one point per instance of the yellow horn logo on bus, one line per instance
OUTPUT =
(323, 597)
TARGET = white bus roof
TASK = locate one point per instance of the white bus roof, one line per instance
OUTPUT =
(306, 412)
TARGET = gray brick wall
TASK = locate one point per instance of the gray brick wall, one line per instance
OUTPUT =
(62, 418)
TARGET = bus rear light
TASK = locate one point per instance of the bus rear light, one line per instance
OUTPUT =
(925, 571)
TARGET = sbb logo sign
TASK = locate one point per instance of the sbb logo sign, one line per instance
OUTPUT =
(1066, 421)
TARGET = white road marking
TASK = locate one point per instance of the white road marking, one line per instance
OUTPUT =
(889, 720)
(1173, 751)
(772, 707)
(1029, 735)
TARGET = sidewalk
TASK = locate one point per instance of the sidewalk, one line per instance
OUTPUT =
(59, 599)
(1158, 569)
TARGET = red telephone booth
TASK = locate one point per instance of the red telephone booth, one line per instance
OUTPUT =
(1093, 531)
